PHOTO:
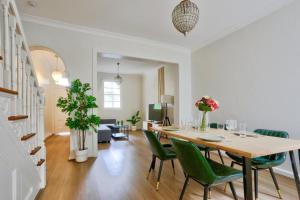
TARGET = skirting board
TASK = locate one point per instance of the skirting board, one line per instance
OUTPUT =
(48, 137)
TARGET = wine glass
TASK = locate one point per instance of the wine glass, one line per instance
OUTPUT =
(231, 124)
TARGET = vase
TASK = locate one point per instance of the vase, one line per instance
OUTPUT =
(203, 122)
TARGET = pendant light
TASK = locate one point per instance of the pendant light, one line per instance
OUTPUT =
(185, 16)
(118, 78)
(56, 74)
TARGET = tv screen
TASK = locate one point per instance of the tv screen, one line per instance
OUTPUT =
(155, 112)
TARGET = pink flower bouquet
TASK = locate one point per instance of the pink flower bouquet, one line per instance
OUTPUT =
(206, 104)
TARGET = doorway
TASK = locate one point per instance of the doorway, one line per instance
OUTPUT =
(46, 62)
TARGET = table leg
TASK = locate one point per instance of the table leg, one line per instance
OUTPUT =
(247, 179)
(295, 171)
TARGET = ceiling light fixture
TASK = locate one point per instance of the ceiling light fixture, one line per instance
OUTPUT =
(118, 78)
(56, 74)
(185, 16)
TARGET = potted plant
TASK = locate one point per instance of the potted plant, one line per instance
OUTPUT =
(134, 120)
(78, 105)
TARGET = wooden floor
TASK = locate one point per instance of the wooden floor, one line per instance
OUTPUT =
(119, 173)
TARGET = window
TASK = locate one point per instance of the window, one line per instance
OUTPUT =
(111, 95)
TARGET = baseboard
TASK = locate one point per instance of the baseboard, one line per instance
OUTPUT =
(48, 137)
(284, 172)
(38, 194)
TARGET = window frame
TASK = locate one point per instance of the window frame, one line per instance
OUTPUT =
(103, 96)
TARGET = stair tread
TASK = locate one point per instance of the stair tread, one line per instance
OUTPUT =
(8, 91)
(35, 150)
(27, 136)
(40, 162)
(17, 117)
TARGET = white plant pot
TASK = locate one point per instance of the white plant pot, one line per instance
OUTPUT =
(81, 155)
(133, 128)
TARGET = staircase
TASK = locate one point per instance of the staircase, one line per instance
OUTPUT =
(22, 149)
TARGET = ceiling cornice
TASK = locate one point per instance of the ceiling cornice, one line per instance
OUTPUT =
(99, 32)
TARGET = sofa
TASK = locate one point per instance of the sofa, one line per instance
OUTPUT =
(104, 130)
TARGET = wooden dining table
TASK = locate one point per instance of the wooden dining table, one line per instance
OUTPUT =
(251, 146)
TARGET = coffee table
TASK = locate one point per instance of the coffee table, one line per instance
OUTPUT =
(120, 131)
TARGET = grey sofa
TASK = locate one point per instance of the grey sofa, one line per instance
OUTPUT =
(104, 132)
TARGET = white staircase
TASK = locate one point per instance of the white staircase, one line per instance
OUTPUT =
(22, 150)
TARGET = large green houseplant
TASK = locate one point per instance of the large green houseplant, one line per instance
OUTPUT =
(134, 120)
(78, 105)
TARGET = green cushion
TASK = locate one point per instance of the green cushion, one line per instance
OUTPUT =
(265, 162)
(170, 152)
(224, 173)
(162, 151)
(205, 148)
(213, 125)
(195, 165)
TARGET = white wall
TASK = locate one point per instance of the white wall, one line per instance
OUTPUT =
(254, 73)
(171, 88)
(75, 46)
(150, 90)
(131, 97)
(78, 47)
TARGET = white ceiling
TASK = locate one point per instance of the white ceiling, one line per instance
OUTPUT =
(151, 19)
(128, 65)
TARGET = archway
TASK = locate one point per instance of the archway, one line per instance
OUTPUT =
(45, 62)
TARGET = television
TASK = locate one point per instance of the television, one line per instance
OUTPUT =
(156, 112)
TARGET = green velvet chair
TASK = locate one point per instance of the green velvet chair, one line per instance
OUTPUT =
(264, 162)
(207, 150)
(205, 171)
(163, 152)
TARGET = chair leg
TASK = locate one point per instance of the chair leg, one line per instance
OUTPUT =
(256, 183)
(221, 157)
(184, 187)
(275, 182)
(233, 191)
(151, 165)
(225, 188)
(208, 154)
(159, 173)
(172, 161)
(205, 197)
(209, 193)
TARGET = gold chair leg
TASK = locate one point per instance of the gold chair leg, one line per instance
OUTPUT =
(209, 194)
(279, 194)
(225, 188)
(157, 185)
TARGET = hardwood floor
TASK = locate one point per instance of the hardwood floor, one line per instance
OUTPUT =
(119, 173)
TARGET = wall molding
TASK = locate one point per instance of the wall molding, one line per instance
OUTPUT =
(100, 32)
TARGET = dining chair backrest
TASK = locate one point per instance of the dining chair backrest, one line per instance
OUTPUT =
(155, 145)
(274, 133)
(213, 125)
(193, 162)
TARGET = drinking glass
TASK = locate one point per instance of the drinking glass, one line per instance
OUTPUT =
(231, 124)
(243, 129)
(220, 126)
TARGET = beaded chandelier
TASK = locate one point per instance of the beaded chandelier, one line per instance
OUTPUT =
(185, 16)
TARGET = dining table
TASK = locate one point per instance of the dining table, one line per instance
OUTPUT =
(248, 146)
